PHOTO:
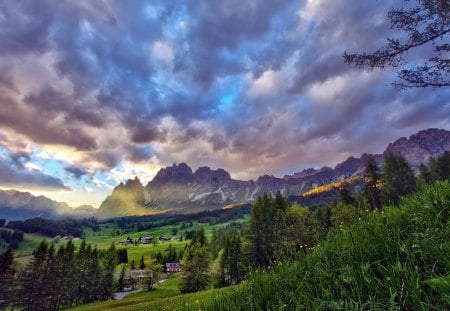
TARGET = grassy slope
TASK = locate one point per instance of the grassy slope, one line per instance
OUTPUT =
(27, 246)
(395, 260)
(168, 288)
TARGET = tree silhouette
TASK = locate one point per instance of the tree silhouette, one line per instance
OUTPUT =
(425, 23)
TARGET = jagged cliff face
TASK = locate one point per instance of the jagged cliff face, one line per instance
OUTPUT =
(179, 188)
(126, 199)
(418, 148)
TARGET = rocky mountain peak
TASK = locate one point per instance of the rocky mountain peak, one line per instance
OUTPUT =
(204, 175)
(419, 147)
(172, 174)
(133, 184)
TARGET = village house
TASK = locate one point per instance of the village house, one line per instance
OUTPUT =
(134, 278)
(173, 267)
(146, 240)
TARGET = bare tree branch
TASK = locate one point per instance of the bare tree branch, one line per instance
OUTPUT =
(426, 24)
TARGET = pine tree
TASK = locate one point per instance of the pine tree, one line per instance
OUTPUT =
(30, 279)
(109, 262)
(199, 237)
(94, 277)
(7, 273)
(142, 263)
(371, 189)
(398, 179)
(440, 167)
(231, 260)
(265, 229)
(425, 175)
(152, 273)
(195, 273)
(344, 195)
(121, 281)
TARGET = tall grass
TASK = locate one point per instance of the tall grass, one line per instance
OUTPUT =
(397, 259)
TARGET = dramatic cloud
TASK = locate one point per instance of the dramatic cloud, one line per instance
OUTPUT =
(14, 172)
(94, 92)
(76, 171)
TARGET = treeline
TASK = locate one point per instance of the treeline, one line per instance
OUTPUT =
(12, 237)
(57, 278)
(52, 228)
(145, 223)
(278, 231)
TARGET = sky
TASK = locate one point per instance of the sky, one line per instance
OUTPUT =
(95, 92)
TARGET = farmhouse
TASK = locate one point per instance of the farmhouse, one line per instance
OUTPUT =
(173, 267)
(146, 240)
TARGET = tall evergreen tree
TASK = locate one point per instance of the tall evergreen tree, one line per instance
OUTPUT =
(265, 229)
(440, 167)
(142, 263)
(152, 273)
(30, 280)
(398, 179)
(344, 195)
(195, 273)
(7, 274)
(121, 280)
(371, 189)
(109, 263)
(231, 260)
(425, 175)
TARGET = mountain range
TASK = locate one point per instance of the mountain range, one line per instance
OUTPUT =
(17, 205)
(179, 188)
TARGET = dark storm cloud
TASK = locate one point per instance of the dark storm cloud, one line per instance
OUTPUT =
(51, 103)
(104, 88)
(339, 26)
(24, 27)
(224, 33)
(31, 180)
(139, 154)
(13, 173)
(36, 125)
(76, 171)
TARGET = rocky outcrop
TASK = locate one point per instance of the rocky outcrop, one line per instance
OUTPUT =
(126, 199)
(418, 148)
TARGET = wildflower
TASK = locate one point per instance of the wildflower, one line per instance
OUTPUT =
(197, 301)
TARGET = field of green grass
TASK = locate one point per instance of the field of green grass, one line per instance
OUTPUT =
(168, 288)
(165, 296)
(27, 246)
(110, 233)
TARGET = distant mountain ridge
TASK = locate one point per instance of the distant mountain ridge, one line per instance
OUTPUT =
(178, 188)
(17, 205)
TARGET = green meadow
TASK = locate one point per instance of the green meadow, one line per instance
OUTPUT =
(111, 233)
